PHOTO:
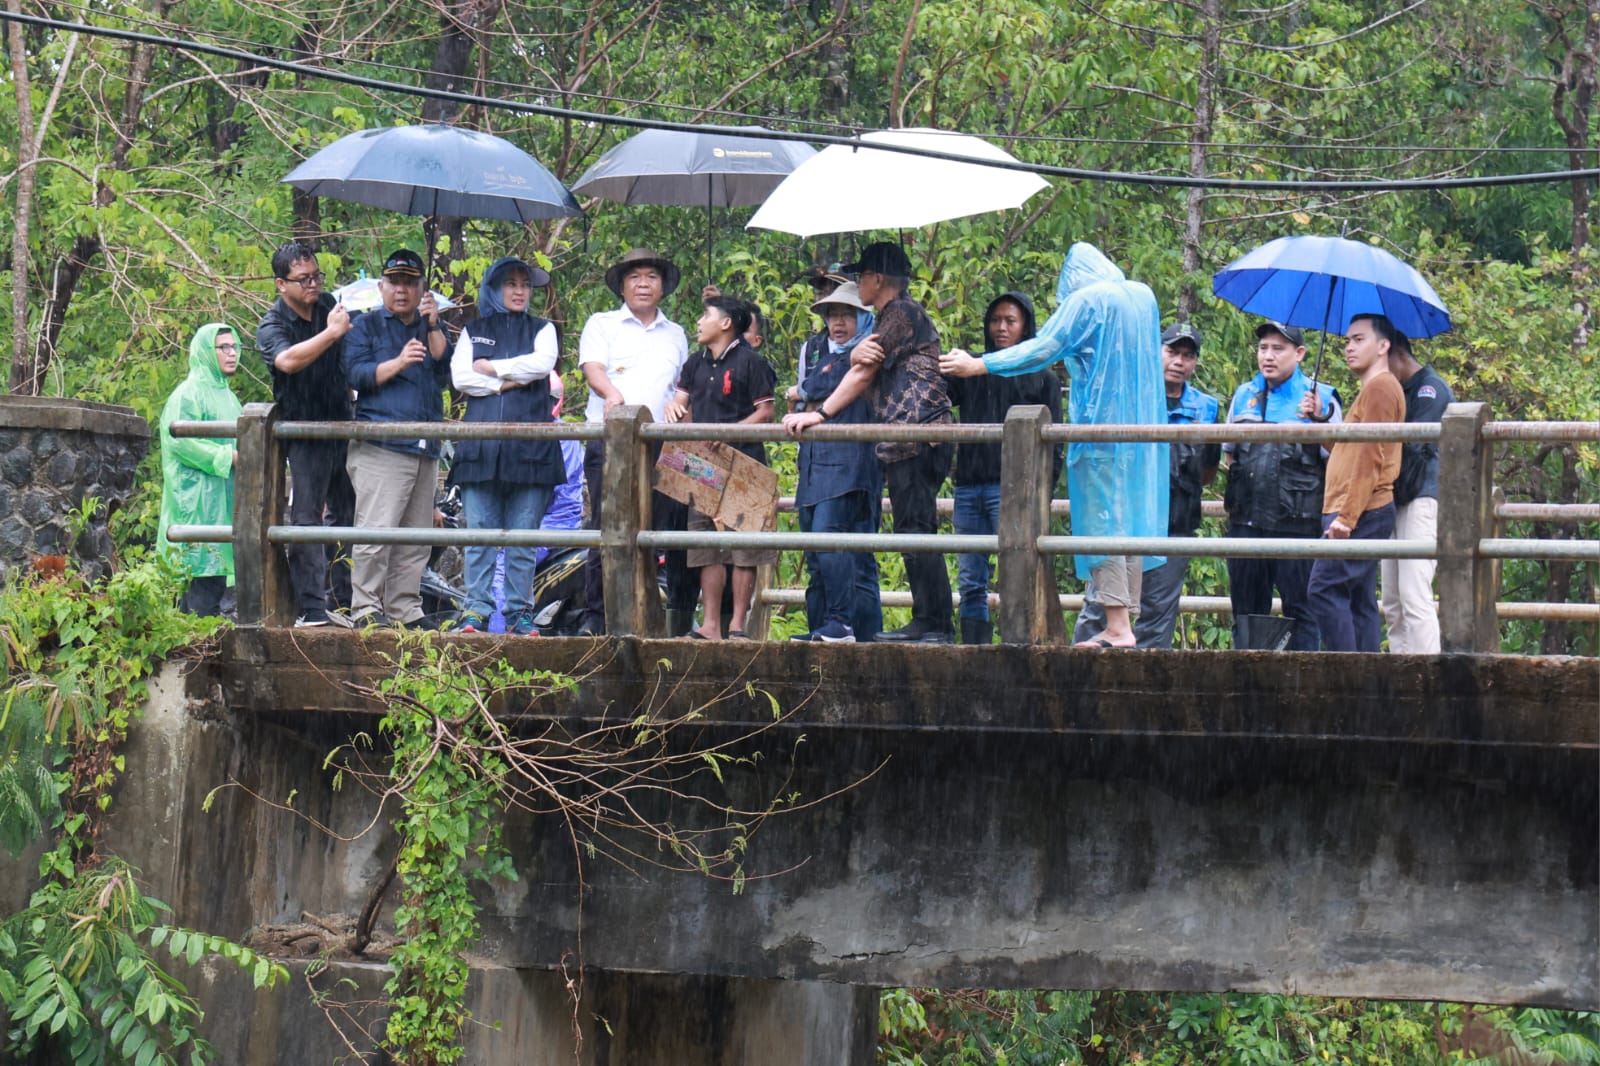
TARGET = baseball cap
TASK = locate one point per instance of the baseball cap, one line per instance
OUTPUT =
(821, 277)
(1181, 331)
(403, 263)
(884, 257)
(1291, 333)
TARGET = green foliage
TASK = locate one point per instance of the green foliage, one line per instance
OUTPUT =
(450, 782)
(77, 973)
(1189, 1029)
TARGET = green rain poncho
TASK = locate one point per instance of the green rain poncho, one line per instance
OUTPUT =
(197, 472)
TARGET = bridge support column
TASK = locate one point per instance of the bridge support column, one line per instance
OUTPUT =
(1468, 583)
(262, 592)
(672, 1020)
(1030, 608)
(633, 605)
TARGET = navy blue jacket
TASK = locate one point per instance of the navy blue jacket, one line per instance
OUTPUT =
(830, 469)
(516, 462)
(416, 394)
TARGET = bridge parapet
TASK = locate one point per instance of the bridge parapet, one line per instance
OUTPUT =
(1468, 548)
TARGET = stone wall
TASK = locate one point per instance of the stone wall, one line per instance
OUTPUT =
(54, 454)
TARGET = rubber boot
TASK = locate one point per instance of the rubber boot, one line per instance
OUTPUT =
(679, 622)
(977, 631)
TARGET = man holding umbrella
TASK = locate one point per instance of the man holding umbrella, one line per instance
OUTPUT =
(633, 355)
(394, 359)
(1275, 487)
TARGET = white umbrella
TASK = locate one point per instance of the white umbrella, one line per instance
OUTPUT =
(844, 189)
(362, 295)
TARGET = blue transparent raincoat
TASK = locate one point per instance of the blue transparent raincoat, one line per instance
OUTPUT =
(1107, 330)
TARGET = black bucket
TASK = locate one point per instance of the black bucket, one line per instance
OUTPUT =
(1261, 632)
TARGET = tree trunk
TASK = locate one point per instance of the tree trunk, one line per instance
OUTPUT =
(23, 381)
(1573, 104)
(306, 209)
(452, 62)
(70, 267)
(1199, 143)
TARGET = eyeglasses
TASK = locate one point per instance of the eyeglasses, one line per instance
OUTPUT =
(306, 281)
(227, 347)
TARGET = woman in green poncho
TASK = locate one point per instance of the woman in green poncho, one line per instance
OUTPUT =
(197, 472)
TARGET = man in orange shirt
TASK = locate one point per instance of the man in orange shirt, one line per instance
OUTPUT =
(1358, 501)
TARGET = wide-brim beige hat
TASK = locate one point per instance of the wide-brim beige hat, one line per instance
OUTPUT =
(846, 294)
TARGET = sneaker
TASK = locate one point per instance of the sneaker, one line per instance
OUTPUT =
(521, 624)
(910, 633)
(469, 622)
(831, 633)
(340, 616)
(934, 636)
(312, 619)
(835, 633)
(369, 618)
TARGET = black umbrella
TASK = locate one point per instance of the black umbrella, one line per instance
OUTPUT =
(436, 170)
(716, 167)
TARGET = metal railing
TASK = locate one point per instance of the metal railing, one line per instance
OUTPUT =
(1468, 548)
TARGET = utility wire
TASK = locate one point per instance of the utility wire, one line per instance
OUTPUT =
(569, 114)
(1019, 138)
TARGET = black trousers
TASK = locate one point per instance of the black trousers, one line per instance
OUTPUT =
(207, 596)
(1250, 584)
(913, 494)
(683, 584)
(320, 494)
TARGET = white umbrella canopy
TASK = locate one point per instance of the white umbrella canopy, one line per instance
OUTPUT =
(844, 189)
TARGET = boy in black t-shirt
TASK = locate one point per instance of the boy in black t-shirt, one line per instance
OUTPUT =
(726, 382)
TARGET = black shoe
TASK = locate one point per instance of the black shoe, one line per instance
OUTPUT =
(937, 636)
(910, 633)
(592, 627)
(977, 631)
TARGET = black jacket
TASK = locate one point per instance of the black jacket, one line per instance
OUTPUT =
(987, 398)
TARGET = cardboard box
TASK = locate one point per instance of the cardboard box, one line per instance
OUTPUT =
(726, 485)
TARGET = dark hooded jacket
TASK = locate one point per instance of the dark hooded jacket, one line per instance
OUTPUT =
(987, 398)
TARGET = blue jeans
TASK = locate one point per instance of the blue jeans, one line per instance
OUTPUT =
(490, 505)
(977, 512)
(843, 586)
(1342, 593)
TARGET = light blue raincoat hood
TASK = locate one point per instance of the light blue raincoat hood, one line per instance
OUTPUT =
(1107, 330)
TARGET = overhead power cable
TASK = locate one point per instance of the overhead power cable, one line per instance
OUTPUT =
(569, 114)
(1014, 138)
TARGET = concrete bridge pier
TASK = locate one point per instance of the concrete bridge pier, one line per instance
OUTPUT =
(241, 865)
(528, 1018)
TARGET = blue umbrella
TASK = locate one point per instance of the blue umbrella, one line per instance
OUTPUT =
(1323, 282)
(436, 170)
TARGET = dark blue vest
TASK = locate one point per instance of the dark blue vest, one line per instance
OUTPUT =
(832, 468)
(514, 462)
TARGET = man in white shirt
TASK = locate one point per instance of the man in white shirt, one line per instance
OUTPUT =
(632, 356)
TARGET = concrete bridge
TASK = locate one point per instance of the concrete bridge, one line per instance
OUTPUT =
(1021, 815)
(1007, 816)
